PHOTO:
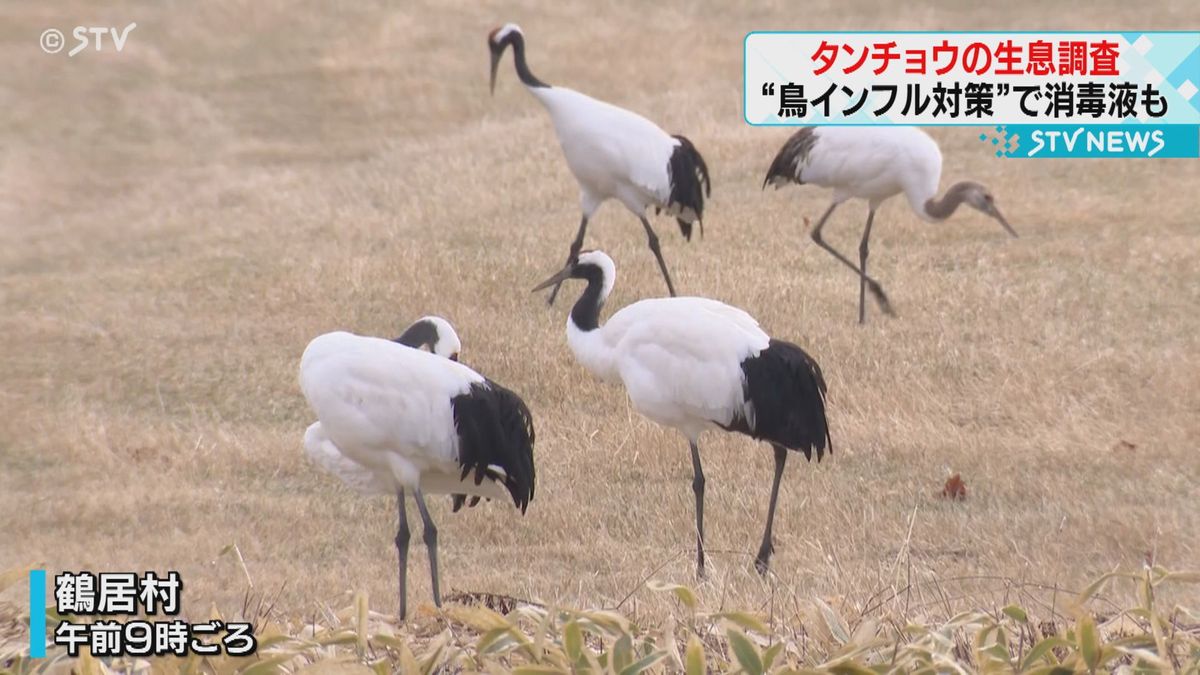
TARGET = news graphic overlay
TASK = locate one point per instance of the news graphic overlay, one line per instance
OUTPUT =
(115, 614)
(1047, 94)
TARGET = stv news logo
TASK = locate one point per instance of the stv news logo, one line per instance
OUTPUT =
(53, 40)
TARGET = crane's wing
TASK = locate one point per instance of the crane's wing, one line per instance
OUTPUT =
(322, 452)
(858, 161)
(603, 142)
(831, 157)
(496, 437)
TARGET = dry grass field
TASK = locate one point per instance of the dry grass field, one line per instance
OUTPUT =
(179, 219)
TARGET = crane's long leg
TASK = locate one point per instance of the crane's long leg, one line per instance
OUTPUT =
(658, 254)
(876, 289)
(402, 537)
(575, 246)
(698, 488)
(430, 543)
(764, 552)
(862, 264)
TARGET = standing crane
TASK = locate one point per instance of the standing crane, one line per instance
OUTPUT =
(694, 364)
(431, 332)
(439, 337)
(874, 164)
(418, 423)
(615, 154)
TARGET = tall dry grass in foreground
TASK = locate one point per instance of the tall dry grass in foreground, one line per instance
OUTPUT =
(495, 634)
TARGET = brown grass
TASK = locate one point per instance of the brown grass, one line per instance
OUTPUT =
(178, 220)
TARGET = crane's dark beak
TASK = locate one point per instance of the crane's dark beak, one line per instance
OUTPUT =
(559, 277)
(496, 52)
(995, 213)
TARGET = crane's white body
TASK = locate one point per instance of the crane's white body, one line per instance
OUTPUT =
(874, 163)
(326, 454)
(678, 358)
(695, 364)
(612, 152)
(385, 416)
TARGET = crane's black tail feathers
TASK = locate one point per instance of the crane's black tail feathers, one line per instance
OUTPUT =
(495, 440)
(688, 175)
(785, 400)
(789, 162)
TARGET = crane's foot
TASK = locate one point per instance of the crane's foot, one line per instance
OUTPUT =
(881, 298)
(762, 561)
(761, 565)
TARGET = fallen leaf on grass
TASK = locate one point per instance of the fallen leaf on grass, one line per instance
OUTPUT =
(955, 488)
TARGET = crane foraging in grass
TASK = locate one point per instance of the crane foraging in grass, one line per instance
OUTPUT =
(615, 154)
(695, 364)
(416, 422)
(874, 164)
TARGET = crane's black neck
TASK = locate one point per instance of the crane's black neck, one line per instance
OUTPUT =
(420, 334)
(586, 312)
(527, 77)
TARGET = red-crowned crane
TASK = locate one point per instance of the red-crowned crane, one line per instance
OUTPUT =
(431, 332)
(417, 423)
(695, 364)
(615, 154)
(874, 163)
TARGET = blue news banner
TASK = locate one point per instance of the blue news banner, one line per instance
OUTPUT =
(1108, 140)
(115, 614)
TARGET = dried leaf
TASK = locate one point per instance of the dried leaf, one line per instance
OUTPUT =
(745, 620)
(954, 488)
(837, 628)
(1044, 649)
(477, 617)
(684, 594)
(644, 663)
(267, 665)
(1016, 613)
(360, 620)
